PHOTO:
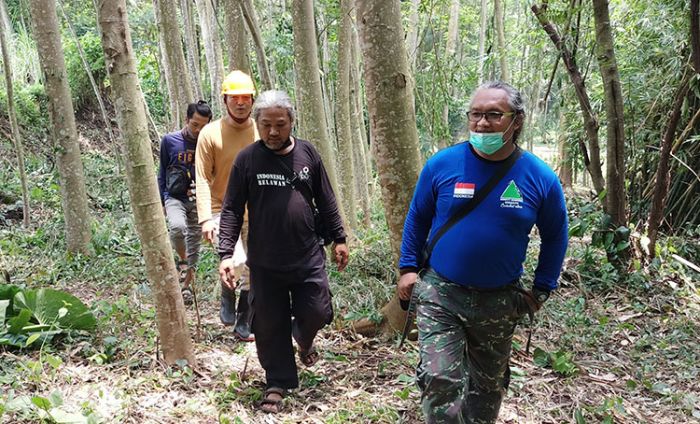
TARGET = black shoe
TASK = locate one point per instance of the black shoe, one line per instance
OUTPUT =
(242, 329)
(227, 313)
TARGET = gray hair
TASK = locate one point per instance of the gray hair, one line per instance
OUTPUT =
(515, 100)
(272, 99)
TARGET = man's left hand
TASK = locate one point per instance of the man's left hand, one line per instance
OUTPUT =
(341, 255)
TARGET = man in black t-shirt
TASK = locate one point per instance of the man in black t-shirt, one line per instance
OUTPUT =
(276, 178)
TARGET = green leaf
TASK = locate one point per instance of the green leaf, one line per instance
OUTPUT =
(55, 362)
(403, 393)
(41, 402)
(18, 404)
(34, 337)
(578, 416)
(60, 416)
(8, 291)
(4, 304)
(18, 322)
(45, 305)
(56, 398)
(541, 358)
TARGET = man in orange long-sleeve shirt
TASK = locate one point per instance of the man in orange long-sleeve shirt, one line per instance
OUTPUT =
(217, 147)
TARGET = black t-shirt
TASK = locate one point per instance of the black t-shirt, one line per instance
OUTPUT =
(281, 224)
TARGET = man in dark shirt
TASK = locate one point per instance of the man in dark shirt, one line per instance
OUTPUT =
(272, 177)
(176, 178)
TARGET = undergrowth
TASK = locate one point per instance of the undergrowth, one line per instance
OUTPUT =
(640, 322)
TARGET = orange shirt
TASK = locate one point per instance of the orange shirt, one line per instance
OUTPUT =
(218, 145)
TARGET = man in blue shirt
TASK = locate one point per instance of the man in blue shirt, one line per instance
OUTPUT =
(470, 299)
(176, 178)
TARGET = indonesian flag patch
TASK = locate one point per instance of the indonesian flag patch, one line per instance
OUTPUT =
(464, 190)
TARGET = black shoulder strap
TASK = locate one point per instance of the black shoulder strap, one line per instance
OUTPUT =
(294, 181)
(474, 201)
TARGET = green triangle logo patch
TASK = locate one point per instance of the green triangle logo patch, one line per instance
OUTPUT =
(512, 193)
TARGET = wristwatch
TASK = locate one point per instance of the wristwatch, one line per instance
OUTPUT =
(540, 295)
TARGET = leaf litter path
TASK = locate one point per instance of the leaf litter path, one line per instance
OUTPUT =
(364, 380)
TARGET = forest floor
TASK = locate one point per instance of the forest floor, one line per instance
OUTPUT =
(606, 348)
(626, 359)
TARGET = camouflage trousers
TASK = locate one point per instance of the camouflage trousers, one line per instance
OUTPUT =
(465, 341)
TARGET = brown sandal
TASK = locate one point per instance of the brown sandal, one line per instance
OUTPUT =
(309, 357)
(272, 400)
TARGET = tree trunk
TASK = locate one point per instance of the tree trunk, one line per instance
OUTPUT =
(343, 115)
(360, 167)
(143, 190)
(564, 162)
(450, 49)
(309, 87)
(93, 83)
(212, 51)
(663, 176)
(268, 81)
(591, 154)
(695, 33)
(412, 40)
(5, 22)
(63, 129)
(191, 48)
(179, 82)
(482, 40)
(359, 103)
(499, 18)
(327, 93)
(615, 199)
(390, 102)
(16, 136)
(236, 37)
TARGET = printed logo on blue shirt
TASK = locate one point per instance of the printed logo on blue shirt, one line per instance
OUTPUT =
(511, 197)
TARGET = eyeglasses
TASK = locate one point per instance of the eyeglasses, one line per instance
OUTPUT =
(491, 117)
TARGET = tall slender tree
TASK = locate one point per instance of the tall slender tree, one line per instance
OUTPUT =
(412, 38)
(64, 132)
(590, 153)
(16, 136)
(178, 79)
(343, 116)
(663, 177)
(212, 51)
(143, 190)
(499, 26)
(235, 35)
(450, 60)
(616, 197)
(268, 80)
(312, 112)
(191, 47)
(360, 154)
(482, 40)
(390, 102)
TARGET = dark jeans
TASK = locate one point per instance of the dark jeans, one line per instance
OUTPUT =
(287, 304)
(465, 341)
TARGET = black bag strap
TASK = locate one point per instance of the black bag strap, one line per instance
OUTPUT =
(474, 201)
(294, 180)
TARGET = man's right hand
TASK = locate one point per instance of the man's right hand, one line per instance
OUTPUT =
(208, 230)
(226, 273)
(406, 283)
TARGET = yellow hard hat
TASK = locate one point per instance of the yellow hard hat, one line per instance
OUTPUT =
(237, 82)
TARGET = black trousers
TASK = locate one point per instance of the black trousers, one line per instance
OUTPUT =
(287, 304)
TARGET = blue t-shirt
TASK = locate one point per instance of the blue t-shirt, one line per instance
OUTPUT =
(175, 148)
(487, 248)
